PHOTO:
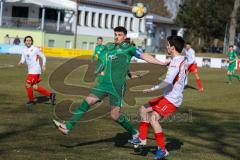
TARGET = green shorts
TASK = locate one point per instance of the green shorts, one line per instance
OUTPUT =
(101, 91)
(232, 67)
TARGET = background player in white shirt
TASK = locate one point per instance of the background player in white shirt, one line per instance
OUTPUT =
(30, 56)
(167, 104)
(192, 65)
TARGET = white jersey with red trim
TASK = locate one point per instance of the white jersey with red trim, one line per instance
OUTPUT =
(31, 57)
(190, 54)
(176, 76)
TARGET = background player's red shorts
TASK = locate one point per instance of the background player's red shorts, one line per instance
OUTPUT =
(162, 106)
(33, 79)
(193, 68)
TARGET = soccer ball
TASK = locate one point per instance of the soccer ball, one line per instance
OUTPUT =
(139, 10)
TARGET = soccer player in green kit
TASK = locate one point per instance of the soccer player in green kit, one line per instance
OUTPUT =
(232, 57)
(119, 55)
(100, 53)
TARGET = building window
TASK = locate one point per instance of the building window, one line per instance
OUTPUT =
(112, 21)
(93, 18)
(51, 43)
(119, 20)
(20, 12)
(99, 20)
(106, 20)
(131, 24)
(68, 44)
(51, 14)
(84, 45)
(125, 22)
(91, 45)
(139, 25)
(86, 18)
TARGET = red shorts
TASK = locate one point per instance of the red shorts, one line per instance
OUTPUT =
(193, 68)
(33, 79)
(162, 106)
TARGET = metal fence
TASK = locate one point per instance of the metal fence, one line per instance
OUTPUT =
(34, 23)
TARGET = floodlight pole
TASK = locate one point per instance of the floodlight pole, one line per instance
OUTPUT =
(1, 12)
(75, 26)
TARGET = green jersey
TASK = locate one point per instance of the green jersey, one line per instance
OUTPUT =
(232, 55)
(118, 59)
(100, 51)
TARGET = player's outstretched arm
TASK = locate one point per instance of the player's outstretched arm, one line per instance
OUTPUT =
(40, 53)
(163, 85)
(150, 59)
(22, 60)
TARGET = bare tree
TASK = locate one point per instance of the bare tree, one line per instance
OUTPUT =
(233, 23)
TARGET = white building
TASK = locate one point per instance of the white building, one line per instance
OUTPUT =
(54, 22)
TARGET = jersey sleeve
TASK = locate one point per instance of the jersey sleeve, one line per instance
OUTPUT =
(40, 54)
(95, 52)
(171, 73)
(22, 59)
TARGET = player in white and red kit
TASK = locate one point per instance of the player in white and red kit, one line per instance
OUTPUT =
(30, 56)
(192, 65)
(163, 106)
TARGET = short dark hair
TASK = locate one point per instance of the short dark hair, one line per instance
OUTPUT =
(120, 29)
(230, 46)
(100, 38)
(176, 41)
(25, 38)
(188, 43)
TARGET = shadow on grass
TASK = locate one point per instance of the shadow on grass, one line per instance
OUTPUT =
(42, 99)
(190, 87)
(120, 140)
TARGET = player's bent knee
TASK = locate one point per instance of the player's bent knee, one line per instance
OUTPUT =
(35, 87)
(115, 113)
(154, 118)
(91, 100)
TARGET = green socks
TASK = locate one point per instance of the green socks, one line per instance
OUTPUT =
(229, 78)
(236, 76)
(78, 113)
(125, 123)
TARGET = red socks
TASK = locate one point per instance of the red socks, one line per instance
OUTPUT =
(143, 130)
(199, 84)
(160, 140)
(43, 91)
(30, 94)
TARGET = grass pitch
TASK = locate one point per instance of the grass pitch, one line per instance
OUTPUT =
(206, 127)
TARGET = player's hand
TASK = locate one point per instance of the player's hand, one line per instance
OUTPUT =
(19, 63)
(43, 68)
(147, 90)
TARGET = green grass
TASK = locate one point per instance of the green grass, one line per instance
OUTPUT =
(206, 127)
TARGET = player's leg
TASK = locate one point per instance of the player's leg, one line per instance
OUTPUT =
(65, 128)
(234, 75)
(122, 120)
(229, 75)
(145, 113)
(159, 136)
(29, 89)
(29, 93)
(200, 87)
(164, 108)
(41, 90)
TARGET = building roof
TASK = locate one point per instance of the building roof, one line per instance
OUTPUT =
(59, 4)
(107, 3)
